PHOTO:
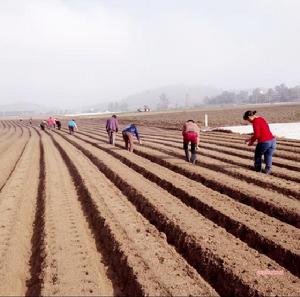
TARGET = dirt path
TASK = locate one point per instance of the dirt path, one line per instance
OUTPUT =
(17, 203)
(9, 138)
(10, 158)
(72, 265)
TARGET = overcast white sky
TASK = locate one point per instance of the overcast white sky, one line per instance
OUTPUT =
(87, 51)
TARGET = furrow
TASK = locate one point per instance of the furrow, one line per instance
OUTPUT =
(10, 160)
(17, 203)
(274, 204)
(139, 255)
(277, 171)
(242, 222)
(232, 271)
(236, 169)
(72, 264)
(35, 282)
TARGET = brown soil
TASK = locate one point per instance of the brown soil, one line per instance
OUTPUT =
(218, 116)
(80, 217)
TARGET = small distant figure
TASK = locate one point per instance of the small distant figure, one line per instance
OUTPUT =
(51, 123)
(58, 124)
(43, 125)
(30, 121)
(128, 133)
(112, 128)
(72, 127)
(191, 134)
(266, 142)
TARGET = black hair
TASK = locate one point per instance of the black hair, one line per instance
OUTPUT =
(114, 116)
(249, 113)
(191, 121)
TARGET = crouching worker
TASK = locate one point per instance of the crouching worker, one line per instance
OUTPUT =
(43, 125)
(128, 133)
(58, 124)
(190, 133)
(266, 142)
(72, 126)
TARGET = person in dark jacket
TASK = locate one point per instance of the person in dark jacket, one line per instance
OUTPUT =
(266, 142)
(128, 133)
(58, 124)
(43, 125)
(112, 128)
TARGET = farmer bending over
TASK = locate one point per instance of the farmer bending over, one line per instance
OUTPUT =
(128, 133)
(190, 133)
(266, 142)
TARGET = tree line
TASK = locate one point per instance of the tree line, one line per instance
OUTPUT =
(280, 93)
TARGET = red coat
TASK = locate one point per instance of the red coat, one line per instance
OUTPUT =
(261, 130)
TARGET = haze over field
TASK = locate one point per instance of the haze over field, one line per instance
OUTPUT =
(63, 53)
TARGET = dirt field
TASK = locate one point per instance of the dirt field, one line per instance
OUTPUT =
(218, 117)
(80, 217)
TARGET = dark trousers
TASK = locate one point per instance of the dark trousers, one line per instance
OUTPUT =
(71, 129)
(265, 149)
(128, 139)
(193, 151)
(111, 136)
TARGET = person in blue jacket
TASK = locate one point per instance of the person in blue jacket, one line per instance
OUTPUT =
(72, 126)
(128, 133)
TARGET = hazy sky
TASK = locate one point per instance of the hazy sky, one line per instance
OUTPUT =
(87, 51)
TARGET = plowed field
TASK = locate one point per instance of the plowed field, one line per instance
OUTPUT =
(81, 217)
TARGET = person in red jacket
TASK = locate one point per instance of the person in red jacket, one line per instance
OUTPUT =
(266, 142)
(190, 133)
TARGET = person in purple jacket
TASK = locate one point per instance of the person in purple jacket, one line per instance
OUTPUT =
(112, 128)
(128, 133)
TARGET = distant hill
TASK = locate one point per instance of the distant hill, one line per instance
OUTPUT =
(178, 96)
(24, 108)
(21, 106)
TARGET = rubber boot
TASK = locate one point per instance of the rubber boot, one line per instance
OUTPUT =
(193, 158)
(257, 167)
(268, 170)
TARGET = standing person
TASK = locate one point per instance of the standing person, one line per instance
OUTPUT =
(112, 127)
(72, 126)
(58, 124)
(266, 142)
(128, 133)
(191, 134)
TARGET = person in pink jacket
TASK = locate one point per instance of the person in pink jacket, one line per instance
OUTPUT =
(190, 133)
(51, 123)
